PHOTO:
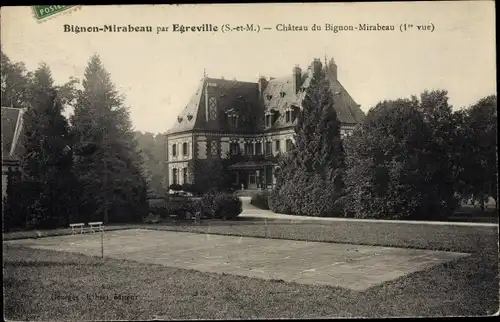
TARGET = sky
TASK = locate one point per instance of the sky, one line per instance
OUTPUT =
(158, 72)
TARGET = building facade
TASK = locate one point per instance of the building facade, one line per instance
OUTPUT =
(256, 120)
(12, 125)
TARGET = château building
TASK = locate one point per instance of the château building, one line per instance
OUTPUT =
(252, 119)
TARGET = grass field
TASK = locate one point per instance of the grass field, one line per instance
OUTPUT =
(420, 236)
(48, 285)
(377, 233)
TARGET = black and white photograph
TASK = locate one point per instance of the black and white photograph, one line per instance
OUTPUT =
(249, 161)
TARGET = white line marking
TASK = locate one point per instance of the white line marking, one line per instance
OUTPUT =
(324, 266)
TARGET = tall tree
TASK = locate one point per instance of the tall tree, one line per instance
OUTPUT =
(47, 159)
(400, 161)
(439, 150)
(112, 179)
(15, 83)
(476, 150)
(309, 181)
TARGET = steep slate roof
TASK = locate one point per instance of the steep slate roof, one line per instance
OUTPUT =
(241, 97)
(11, 127)
(273, 91)
(348, 111)
(273, 98)
(228, 94)
(191, 108)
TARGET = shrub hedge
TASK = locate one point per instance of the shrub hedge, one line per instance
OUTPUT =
(261, 200)
(221, 205)
(175, 187)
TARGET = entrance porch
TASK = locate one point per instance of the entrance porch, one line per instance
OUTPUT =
(251, 175)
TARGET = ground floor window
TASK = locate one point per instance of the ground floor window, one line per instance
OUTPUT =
(269, 175)
(251, 178)
(258, 148)
(184, 175)
(249, 148)
(234, 148)
(269, 148)
(174, 176)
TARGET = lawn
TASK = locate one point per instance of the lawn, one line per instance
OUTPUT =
(376, 233)
(48, 285)
(420, 236)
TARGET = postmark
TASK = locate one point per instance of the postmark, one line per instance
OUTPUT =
(43, 13)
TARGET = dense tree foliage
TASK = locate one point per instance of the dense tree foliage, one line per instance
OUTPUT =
(14, 210)
(112, 180)
(89, 171)
(476, 150)
(405, 159)
(46, 162)
(153, 151)
(211, 175)
(309, 180)
(15, 83)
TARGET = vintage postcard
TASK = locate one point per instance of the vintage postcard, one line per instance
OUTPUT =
(249, 161)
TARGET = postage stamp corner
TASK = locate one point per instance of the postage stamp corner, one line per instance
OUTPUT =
(45, 12)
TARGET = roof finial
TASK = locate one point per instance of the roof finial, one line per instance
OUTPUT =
(326, 61)
(204, 73)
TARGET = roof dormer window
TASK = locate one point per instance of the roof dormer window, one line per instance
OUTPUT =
(189, 117)
(269, 97)
(233, 121)
(294, 112)
(268, 120)
(271, 116)
(179, 119)
(282, 93)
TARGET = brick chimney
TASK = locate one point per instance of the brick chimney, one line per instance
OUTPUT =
(297, 78)
(262, 85)
(332, 69)
(316, 67)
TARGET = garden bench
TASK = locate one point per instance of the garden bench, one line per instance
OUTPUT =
(75, 226)
(93, 225)
(196, 217)
(154, 220)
